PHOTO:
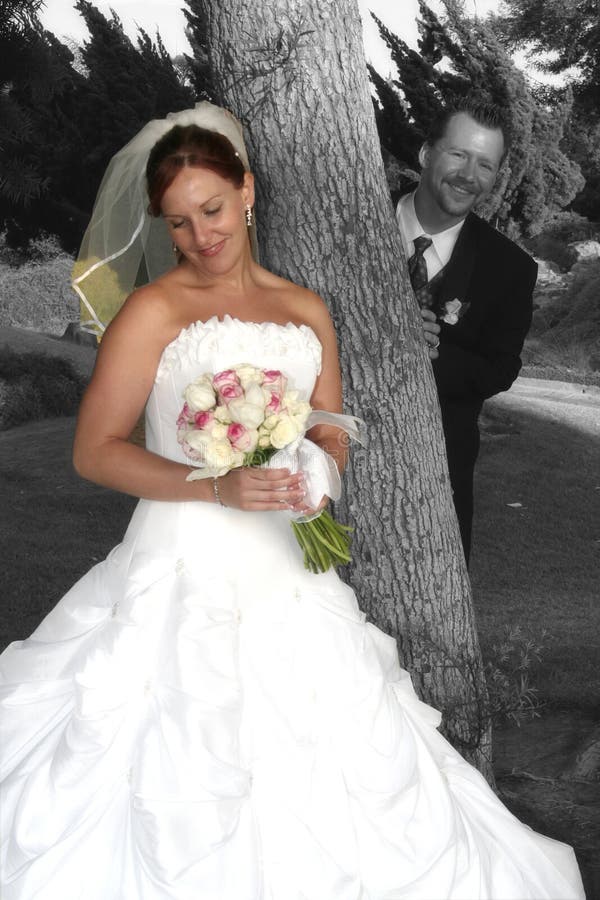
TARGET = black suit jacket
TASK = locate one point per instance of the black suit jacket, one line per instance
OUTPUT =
(480, 355)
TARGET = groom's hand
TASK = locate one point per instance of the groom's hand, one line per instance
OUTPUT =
(431, 330)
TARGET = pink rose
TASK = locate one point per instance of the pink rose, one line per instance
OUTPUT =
(271, 375)
(230, 390)
(204, 419)
(183, 419)
(224, 377)
(274, 404)
(241, 438)
(275, 381)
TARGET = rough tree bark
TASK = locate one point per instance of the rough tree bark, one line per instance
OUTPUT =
(294, 72)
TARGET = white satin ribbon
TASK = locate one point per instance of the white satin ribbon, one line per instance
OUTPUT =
(321, 473)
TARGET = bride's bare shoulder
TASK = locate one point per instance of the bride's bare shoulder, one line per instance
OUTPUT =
(302, 305)
(305, 307)
(149, 313)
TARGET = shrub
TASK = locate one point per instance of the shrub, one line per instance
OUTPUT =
(38, 295)
(509, 670)
(567, 328)
(564, 228)
(36, 386)
(553, 249)
(568, 226)
(41, 250)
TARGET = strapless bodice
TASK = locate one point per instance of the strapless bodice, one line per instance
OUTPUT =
(219, 344)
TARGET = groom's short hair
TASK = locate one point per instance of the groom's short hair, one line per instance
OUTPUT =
(475, 106)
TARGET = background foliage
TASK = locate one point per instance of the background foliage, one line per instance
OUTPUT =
(565, 37)
(66, 109)
(455, 53)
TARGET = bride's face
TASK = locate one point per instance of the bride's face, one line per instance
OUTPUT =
(206, 217)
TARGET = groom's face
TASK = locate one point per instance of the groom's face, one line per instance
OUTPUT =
(459, 169)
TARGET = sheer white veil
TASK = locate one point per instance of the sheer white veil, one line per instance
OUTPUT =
(123, 246)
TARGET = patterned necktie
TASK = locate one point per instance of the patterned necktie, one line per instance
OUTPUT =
(417, 267)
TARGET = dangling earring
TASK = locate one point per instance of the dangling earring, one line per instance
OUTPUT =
(248, 216)
(175, 249)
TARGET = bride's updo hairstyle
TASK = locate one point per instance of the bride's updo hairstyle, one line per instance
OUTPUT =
(189, 145)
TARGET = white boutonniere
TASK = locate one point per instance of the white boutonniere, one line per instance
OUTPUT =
(453, 310)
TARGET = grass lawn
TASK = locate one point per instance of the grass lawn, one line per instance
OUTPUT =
(537, 565)
(58, 526)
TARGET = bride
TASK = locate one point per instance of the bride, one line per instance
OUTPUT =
(200, 716)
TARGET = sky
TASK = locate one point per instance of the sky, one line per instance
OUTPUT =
(60, 17)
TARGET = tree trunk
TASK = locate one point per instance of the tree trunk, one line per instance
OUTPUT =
(294, 72)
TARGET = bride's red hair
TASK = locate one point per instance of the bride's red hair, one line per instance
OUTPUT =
(189, 145)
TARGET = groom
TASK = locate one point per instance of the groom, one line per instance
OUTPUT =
(473, 284)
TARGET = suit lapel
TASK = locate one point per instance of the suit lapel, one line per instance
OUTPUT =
(458, 270)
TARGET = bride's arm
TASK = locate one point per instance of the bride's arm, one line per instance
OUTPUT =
(327, 393)
(123, 378)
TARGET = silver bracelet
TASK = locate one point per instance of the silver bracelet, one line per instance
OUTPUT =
(216, 492)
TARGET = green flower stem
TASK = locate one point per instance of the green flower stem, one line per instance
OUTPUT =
(302, 538)
(324, 541)
(330, 530)
(328, 538)
(334, 533)
(318, 554)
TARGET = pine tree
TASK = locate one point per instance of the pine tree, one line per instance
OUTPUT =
(458, 55)
(198, 65)
(26, 71)
(126, 86)
(64, 119)
(559, 36)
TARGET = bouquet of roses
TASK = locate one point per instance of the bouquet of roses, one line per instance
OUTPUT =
(243, 416)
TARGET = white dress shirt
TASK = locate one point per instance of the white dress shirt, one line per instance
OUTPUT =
(443, 242)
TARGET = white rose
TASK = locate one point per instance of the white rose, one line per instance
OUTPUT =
(256, 396)
(246, 414)
(218, 432)
(301, 411)
(252, 436)
(248, 375)
(271, 422)
(284, 432)
(451, 312)
(289, 399)
(222, 415)
(198, 441)
(264, 441)
(220, 455)
(199, 395)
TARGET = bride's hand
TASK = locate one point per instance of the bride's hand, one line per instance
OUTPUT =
(257, 489)
(305, 510)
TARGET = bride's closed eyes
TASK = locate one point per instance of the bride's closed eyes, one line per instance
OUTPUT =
(178, 223)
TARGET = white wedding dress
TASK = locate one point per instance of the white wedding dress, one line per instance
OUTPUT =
(200, 718)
